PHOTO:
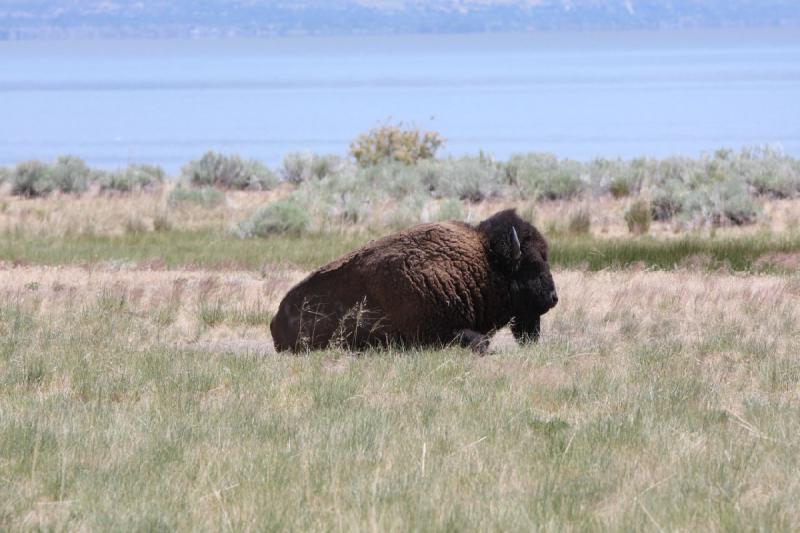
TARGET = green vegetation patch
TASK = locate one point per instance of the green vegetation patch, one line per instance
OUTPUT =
(208, 197)
(132, 178)
(211, 249)
(228, 172)
(638, 217)
(735, 253)
(200, 249)
(300, 167)
(276, 218)
(69, 174)
(398, 163)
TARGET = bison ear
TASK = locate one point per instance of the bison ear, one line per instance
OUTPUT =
(507, 249)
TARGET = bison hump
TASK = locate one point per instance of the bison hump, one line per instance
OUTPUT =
(439, 270)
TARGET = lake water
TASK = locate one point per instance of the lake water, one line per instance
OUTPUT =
(578, 95)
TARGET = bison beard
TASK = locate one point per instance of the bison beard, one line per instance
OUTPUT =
(433, 284)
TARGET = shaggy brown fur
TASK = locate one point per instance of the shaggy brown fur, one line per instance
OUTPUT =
(432, 284)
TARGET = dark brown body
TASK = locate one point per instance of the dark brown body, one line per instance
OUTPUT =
(430, 285)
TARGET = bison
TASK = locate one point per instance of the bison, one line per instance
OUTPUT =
(430, 285)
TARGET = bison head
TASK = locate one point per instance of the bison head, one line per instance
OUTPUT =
(519, 255)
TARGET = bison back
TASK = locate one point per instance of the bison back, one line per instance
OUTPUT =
(415, 287)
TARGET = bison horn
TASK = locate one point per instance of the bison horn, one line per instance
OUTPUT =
(516, 248)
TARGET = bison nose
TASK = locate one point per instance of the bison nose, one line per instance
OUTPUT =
(553, 299)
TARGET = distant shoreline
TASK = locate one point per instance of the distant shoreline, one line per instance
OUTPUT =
(61, 19)
(216, 34)
(549, 38)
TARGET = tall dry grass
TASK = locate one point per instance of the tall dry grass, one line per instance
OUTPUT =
(115, 214)
(112, 214)
(135, 399)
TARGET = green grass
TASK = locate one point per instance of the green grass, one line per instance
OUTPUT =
(104, 427)
(205, 249)
(212, 313)
(210, 249)
(736, 253)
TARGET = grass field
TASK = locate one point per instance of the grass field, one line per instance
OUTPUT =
(139, 389)
(152, 400)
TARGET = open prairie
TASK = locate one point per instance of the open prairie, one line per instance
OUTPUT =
(140, 391)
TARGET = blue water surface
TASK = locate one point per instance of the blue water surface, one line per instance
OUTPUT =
(579, 95)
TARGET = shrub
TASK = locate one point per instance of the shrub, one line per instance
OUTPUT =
(730, 202)
(406, 213)
(70, 175)
(4, 175)
(769, 172)
(628, 178)
(325, 165)
(607, 175)
(638, 217)
(283, 217)
(298, 167)
(229, 172)
(468, 178)
(392, 178)
(350, 197)
(31, 178)
(725, 202)
(616, 176)
(680, 186)
(338, 198)
(668, 198)
(781, 184)
(580, 222)
(619, 187)
(450, 210)
(394, 142)
(132, 178)
(543, 176)
(705, 196)
(204, 196)
(430, 173)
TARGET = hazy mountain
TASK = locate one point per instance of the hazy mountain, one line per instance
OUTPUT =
(186, 18)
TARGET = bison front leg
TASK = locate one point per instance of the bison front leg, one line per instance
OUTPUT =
(477, 342)
(526, 329)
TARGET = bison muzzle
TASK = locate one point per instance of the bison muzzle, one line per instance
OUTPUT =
(430, 285)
